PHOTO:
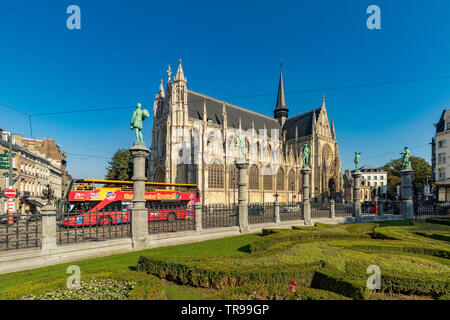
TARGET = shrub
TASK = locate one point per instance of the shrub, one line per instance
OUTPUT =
(203, 273)
(274, 292)
(440, 220)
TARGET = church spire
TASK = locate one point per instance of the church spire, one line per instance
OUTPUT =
(281, 112)
(161, 90)
(180, 73)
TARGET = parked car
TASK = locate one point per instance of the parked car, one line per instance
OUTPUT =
(290, 208)
(4, 218)
(255, 210)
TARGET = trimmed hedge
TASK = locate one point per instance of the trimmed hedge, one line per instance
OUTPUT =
(269, 241)
(147, 287)
(268, 291)
(442, 220)
(201, 273)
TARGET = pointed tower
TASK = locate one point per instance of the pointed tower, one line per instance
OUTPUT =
(179, 97)
(281, 112)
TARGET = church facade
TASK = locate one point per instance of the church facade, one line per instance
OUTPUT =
(194, 141)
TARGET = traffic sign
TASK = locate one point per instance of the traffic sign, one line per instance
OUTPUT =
(10, 193)
(4, 167)
(4, 155)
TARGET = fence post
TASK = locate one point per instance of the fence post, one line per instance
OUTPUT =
(306, 172)
(380, 208)
(48, 228)
(198, 217)
(139, 214)
(356, 194)
(332, 209)
(407, 202)
(242, 196)
(276, 206)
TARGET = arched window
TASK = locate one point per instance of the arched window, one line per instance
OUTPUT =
(280, 180)
(160, 175)
(215, 176)
(233, 177)
(254, 178)
(268, 181)
(291, 181)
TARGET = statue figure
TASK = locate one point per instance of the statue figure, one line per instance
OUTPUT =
(240, 143)
(305, 156)
(136, 122)
(48, 194)
(357, 155)
(406, 163)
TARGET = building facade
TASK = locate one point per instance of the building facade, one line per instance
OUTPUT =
(33, 170)
(375, 177)
(203, 131)
(440, 165)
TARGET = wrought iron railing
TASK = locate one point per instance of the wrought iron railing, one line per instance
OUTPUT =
(320, 210)
(291, 211)
(169, 218)
(219, 216)
(93, 226)
(261, 213)
(344, 209)
(25, 232)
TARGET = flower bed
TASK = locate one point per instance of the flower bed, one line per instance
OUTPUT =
(93, 289)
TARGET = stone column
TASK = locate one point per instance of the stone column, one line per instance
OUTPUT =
(48, 228)
(242, 196)
(380, 208)
(332, 209)
(139, 214)
(357, 194)
(407, 202)
(276, 206)
(198, 216)
(306, 173)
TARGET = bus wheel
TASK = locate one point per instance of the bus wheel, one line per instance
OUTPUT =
(105, 221)
(171, 217)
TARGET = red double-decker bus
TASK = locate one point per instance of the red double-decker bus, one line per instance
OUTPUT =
(107, 202)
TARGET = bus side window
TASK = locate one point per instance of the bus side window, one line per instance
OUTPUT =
(113, 206)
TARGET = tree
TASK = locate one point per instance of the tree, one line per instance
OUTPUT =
(121, 166)
(422, 172)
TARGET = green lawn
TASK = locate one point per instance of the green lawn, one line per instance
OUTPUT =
(328, 262)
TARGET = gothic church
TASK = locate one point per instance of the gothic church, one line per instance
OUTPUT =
(177, 109)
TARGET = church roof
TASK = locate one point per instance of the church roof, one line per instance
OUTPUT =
(303, 122)
(214, 111)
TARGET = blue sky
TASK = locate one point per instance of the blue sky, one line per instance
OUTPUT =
(229, 49)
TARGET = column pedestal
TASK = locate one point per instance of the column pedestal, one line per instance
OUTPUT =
(306, 175)
(139, 214)
(242, 196)
(407, 202)
(357, 194)
(48, 228)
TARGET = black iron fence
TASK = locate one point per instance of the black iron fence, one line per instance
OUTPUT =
(261, 213)
(291, 211)
(25, 232)
(320, 210)
(168, 218)
(93, 226)
(219, 216)
(391, 207)
(344, 209)
(436, 209)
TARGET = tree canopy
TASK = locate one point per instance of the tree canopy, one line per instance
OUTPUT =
(422, 172)
(120, 167)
